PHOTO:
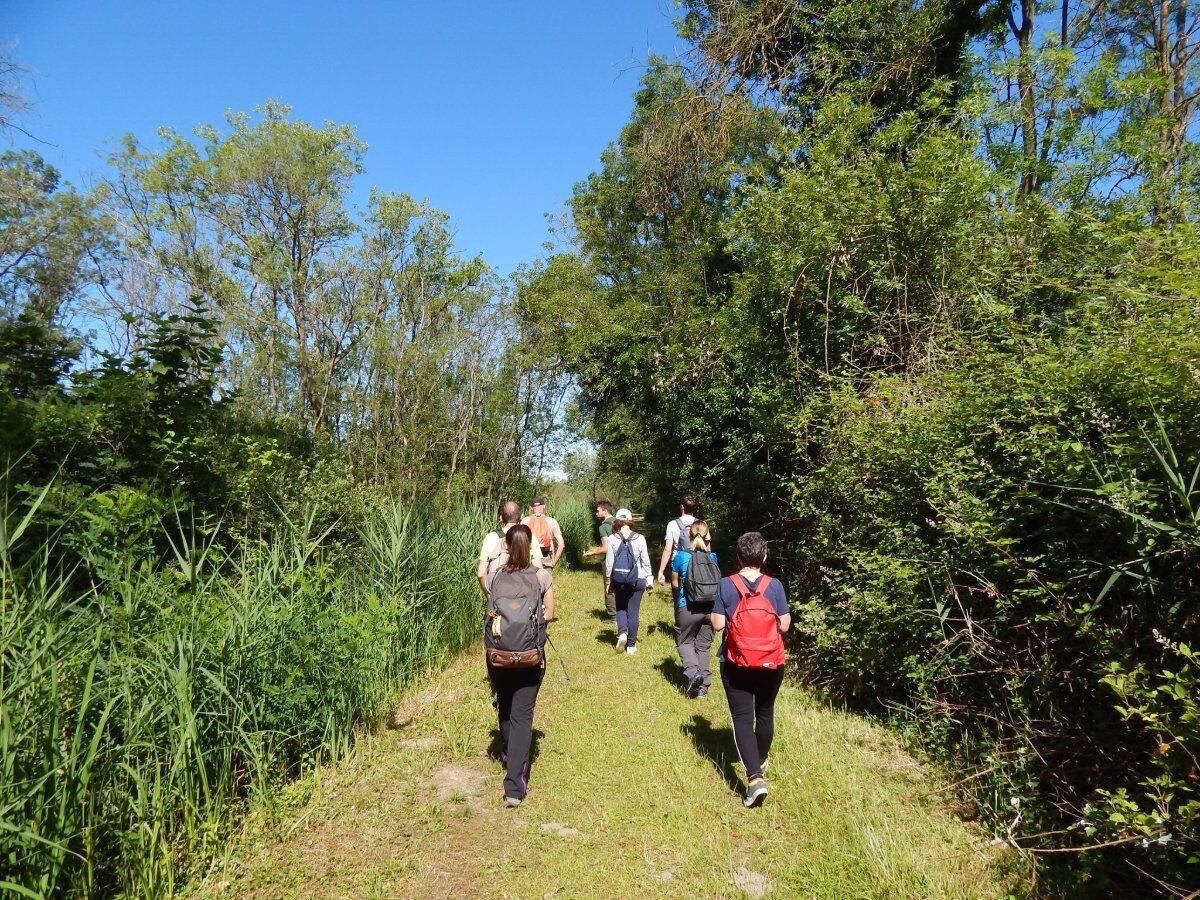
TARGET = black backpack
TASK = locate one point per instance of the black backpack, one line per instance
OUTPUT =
(702, 580)
(514, 627)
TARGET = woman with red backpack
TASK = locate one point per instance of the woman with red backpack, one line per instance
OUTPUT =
(752, 609)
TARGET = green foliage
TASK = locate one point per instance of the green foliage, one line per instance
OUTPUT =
(139, 717)
(928, 320)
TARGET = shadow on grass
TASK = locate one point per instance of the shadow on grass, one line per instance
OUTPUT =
(607, 636)
(496, 747)
(665, 627)
(600, 614)
(715, 744)
(673, 672)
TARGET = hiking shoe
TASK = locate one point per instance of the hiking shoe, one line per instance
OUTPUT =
(695, 684)
(622, 640)
(630, 650)
(702, 693)
(756, 792)
(512, 802)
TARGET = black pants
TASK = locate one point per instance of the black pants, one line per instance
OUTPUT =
(516, 694)
(751, 694)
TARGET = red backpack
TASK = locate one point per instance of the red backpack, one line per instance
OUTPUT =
(754, 641)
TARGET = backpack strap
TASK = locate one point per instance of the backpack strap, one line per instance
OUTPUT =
(682, 534)
(743, 589)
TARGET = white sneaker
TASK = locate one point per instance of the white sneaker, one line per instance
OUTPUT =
(622, 639)
(629, 651)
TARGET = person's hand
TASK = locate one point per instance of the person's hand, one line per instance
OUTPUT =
(608, 589)
(662, 579)
(650, 588)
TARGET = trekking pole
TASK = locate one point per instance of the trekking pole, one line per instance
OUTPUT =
(560, 659)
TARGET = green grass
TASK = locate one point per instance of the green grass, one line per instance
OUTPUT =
(632, 793)
(138, 714)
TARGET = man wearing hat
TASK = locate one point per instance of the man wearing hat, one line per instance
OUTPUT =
(546, 533)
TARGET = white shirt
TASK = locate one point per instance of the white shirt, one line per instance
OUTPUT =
(637, 543)
(493, 546)
(674, 538)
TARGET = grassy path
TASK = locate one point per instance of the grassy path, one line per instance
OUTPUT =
(632, 794)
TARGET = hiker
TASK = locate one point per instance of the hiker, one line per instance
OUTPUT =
(626, 576)
(493, 553)
(695, 579)
(676, 537)
(604, 515)
(754, 607)
(546, 533)
(520, 603)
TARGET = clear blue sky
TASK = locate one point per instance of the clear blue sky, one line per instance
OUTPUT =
(490, 110)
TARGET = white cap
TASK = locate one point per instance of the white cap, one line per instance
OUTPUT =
(623, 513)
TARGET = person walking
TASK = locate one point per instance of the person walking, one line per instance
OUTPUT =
(677, 530)
(604, 515)
(696, 580)
(627, 574)
(520, 604)
(547, 534)
(493, 552)
(752, 610)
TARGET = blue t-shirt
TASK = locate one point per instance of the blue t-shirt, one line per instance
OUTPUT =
(728, 599)
(679, 563)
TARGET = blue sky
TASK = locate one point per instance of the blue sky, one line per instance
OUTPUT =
(490, 110)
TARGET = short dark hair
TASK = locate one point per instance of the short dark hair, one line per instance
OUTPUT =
(752, 548)
(605, 505)
(690, 504)
(518, 538)
(510, 512)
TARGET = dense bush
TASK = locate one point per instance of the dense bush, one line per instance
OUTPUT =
(1007, 558)
(139, 716)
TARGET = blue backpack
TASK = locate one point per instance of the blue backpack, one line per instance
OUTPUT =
(624, 570)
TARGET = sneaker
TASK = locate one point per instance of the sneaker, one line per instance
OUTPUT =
(622, 640)
(630, 650)
(756, 792)
(702, 693)
(695, 684)
(512, 802)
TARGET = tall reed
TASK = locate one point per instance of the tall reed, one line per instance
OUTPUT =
(137, 717)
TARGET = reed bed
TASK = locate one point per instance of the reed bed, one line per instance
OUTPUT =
(139, 716)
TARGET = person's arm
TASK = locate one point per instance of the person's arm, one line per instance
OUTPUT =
(781, 607)
(716, 618)
(558, 546)
(598, 551)
(548, 604)
(644, 561)
(482, 567)
(668, 552)
(481, 574)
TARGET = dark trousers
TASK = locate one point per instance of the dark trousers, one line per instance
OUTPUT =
(751, 695)
(516, 693)
(693, 639)
(629, 601)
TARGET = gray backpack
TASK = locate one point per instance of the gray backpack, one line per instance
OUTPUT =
(514, 627)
